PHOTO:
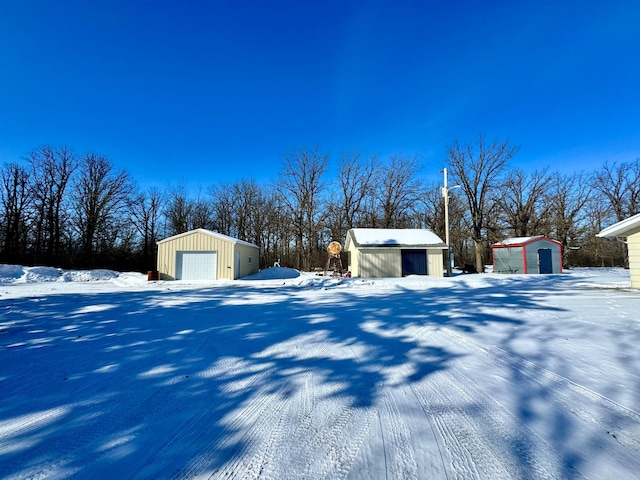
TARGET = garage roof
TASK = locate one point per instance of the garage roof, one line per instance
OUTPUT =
(371, 237)
(204, 231)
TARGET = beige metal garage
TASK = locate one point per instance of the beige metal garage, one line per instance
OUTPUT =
(384, 252)
(205, 255)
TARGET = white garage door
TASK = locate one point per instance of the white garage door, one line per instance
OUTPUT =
(196, 265)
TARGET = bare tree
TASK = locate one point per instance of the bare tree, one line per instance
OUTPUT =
(51, 172)
(223, 200)
(523, 202)
(398, 189)
(276, 231)
(570, 194)
(15, 199)
(354, 184)
(202, 214)
(619, 183)
(146, 210)
(178, 211)
(248, 206)
(300, 188)
(432, 217)
(477, 169)
(238, 209)
(100, 199)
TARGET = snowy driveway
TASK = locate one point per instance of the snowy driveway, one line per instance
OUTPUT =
(483, 376)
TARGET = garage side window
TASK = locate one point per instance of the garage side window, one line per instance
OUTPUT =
(250, 259)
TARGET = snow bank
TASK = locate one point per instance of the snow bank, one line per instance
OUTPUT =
(274, 273)
(17, 274)
(602, 278)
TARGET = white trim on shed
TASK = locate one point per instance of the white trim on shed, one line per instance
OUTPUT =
(205, 255)
(386, 252)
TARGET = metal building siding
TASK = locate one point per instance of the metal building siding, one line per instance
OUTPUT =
(201, 241)
(523, 257)
(508, 260)
(353, 260)
(353, 256)
(380, 263)
(386, 260)
(633, 245)
(532, 255)
(249, 259)
(194, 241)
(435, 259)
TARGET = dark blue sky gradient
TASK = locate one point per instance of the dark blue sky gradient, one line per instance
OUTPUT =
(207, 91)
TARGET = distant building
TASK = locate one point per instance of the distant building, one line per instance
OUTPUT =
(379, 252)
(204, 255)
(628, 231)
(537, 254)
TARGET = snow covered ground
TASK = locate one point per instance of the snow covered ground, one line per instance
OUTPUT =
(290, 376)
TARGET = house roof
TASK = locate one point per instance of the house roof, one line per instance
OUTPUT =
(624, 228)
(204, 231)
(520, 241)
(376, 237)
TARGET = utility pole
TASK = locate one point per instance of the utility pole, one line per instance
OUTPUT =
(445, 194)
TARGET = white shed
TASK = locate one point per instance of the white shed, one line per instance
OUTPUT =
(537, 254)
(205, 255)
(380, 252)
(628, 231)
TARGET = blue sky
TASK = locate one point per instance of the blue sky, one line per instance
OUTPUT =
(203, 92)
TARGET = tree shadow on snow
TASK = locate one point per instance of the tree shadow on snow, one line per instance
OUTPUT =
(153, 383)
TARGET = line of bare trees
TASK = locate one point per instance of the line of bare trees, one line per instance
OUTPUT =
(79, 211)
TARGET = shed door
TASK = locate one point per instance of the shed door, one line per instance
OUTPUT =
(196, 265)
(414, 262)
(545, 262)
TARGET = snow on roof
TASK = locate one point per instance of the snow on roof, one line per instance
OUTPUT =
(213, 234)
(519, 240)
(391, 236)
(621, 229)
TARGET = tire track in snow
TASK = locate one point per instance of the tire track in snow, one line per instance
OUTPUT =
(295, 420)
(192, 437)
(479, 437)
(565, 392)
(398, 447)
(483, 438)
(319, 432)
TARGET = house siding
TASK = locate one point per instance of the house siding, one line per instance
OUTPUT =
(633, 244)
(629, 228)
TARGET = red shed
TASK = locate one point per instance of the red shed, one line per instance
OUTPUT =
(537, 254)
